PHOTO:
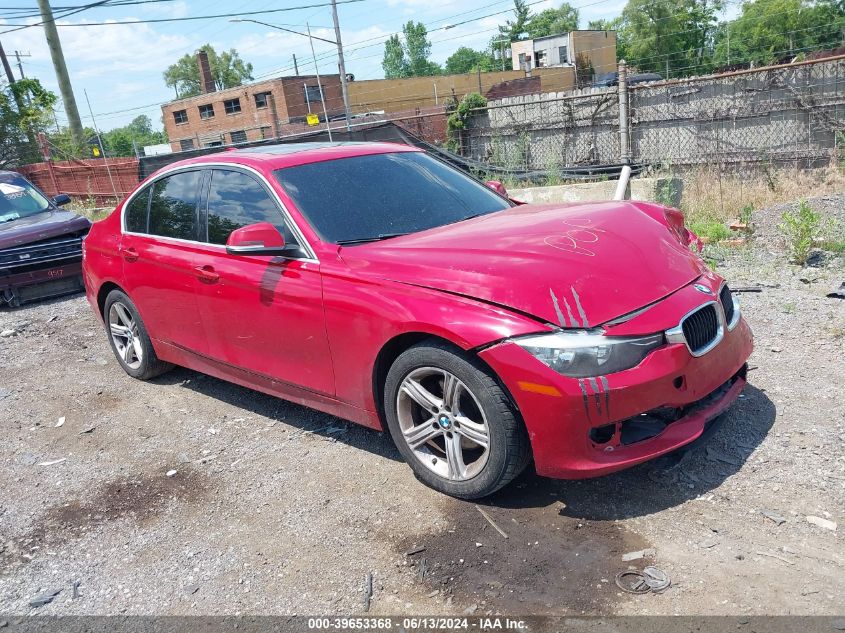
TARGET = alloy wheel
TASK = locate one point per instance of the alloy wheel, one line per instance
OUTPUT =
(443, 423)
(125, 335)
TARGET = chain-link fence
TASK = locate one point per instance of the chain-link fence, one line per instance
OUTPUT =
(785, 114)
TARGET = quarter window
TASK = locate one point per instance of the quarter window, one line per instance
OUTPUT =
(180, 116)
(173, 207)
(135, 216)
(232, 106)
(236, 199)
(207, 111)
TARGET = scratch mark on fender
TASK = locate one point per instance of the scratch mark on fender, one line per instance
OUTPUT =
(572, 320)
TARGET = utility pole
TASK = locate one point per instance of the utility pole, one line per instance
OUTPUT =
(6, 66)
(55, 46)
(18, 100)
(295, 65)
(319, 84)
(341, 64)
(18, 56)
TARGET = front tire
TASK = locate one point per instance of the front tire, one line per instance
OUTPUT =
(452, 422)
(129, 339)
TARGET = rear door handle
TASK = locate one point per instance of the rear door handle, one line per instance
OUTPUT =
(207, 274)
(130, 254)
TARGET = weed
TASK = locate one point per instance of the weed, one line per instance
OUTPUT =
(788, 308)
(800, 228)
(666, 192)
(712, 230)
(745, 214)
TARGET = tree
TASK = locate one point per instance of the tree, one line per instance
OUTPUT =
(23, 111)
(771, 30)
(411, 57)
(515, 29)
(123, 141)
(394, 63)
(228, 70)
(468, 60)
(673, 37)
(553, 22)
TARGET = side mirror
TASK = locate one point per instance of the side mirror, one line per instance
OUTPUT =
(498, 187)
(261, 238)
(61, 199)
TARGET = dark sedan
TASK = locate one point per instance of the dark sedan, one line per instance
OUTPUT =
(40, 243)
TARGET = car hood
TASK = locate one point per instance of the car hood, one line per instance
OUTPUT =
(577, 265)
(41, 226)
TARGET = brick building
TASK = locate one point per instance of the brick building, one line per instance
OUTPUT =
(247, 113)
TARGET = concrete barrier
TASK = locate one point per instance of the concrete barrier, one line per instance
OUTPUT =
(664, 190)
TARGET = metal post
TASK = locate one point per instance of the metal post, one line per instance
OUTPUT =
(55, 46)
(100, 143)
(434, 83)
(341, 64)
(624, 148)
(319, 83)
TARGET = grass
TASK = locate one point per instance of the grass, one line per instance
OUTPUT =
(711, 230)
(801, 228)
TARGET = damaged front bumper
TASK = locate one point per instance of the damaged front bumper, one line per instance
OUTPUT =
(588, 427)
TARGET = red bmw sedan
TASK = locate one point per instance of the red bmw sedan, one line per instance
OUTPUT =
(378, 284)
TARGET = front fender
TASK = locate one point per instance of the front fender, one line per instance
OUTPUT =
(362, 316)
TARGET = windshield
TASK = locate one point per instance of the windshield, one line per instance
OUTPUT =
(19, 199)
(365, 198)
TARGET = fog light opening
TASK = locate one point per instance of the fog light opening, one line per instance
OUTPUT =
(680, 383)
(602, 434)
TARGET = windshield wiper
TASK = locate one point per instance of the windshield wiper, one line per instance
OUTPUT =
(364, 240)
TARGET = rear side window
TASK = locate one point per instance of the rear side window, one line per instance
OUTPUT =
(236, 199)
(173, 207)
(135, 216)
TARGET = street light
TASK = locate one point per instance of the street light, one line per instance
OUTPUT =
(311, 38)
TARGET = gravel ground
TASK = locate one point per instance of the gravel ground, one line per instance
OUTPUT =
(276, 509)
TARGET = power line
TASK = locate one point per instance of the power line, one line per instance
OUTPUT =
(183, 19)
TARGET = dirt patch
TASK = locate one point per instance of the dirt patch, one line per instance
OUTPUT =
(140, 498)
(550, 563)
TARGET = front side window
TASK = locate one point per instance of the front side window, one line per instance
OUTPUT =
(135, 216)
(236, 199)
(367, 198)
(19, 199)
(173, 207)
(207, 111)
(232, 106)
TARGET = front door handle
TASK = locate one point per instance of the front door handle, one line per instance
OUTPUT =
(130, 254)
(206, 273)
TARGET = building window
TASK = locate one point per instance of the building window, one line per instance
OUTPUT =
(312, 94)
(265, 132)
(260, 100)
(541, 59)
(521, 61)
(186, 143)
(180, 116)
(563, 55)
(207, 111)
(232, 106)
(213, 144)
(238, 136)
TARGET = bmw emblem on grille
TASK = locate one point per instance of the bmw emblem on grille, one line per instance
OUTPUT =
(703, 288)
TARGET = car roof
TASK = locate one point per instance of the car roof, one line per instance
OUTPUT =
(291, 154)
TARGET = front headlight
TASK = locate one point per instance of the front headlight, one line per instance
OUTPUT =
(585, 353)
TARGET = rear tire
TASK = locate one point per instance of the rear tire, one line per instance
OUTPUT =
(452, 422)
(129, 339)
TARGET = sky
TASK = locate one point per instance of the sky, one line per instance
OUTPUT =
(120, 65)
